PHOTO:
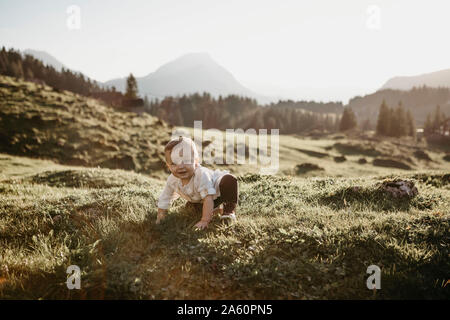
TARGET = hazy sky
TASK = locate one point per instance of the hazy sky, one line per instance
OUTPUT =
(322, 49)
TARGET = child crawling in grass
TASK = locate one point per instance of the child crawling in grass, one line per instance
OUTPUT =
(201, 187)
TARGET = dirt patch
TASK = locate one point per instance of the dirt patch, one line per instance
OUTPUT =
(312, 153)
(390, 163)
(340, 159)
(422, 155)
(354, 148)
(307, 167)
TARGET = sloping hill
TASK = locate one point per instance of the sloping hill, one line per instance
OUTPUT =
(420, 101)
(433, 79)
(38, 121)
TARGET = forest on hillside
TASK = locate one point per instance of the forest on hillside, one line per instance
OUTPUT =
(241, 112)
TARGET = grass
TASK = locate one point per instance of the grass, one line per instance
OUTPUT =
(296, 238)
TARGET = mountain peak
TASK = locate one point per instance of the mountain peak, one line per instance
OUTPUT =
(190, 73)
(187, 61)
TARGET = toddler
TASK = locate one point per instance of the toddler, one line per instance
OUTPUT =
(200, 186)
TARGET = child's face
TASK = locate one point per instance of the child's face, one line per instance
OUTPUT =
(181, 169)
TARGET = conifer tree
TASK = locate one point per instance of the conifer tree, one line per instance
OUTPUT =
(411, 126)
(132, 89)
(383, 122)
(436, 125)
(398, 122)
(348, 120)
(428, 127)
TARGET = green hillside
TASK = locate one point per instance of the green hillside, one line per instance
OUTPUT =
(40, 122)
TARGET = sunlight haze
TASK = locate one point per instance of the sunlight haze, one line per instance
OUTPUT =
(321, 50)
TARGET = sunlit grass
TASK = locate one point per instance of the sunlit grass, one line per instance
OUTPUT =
(295, 238)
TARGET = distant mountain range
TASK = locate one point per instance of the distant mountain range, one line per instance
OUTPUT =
(194, 72)
(432, 79)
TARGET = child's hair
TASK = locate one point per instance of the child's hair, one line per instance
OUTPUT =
(174, 142)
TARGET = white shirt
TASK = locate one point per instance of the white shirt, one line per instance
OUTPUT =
(204, 182)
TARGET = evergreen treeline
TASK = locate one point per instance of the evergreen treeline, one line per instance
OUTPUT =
(418, 100)
(323, 107)
(436, 122)
(395, 122)
(239, 112)
(14, 64)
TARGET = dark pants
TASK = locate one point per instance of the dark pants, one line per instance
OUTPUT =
(229, 195)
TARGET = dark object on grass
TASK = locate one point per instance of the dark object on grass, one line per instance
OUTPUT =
(362, 161)
(306, 167)
(422, 155)
(313, 153)
(360, 149)
(399, 188)
(340, 159)
(390, 163)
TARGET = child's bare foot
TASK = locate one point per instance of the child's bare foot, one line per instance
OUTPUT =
(229, 216)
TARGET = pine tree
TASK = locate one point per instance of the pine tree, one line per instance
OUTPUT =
(132, 90)
(348, 120)
(399, 125)
(391, 123)
(146, 104)
(436, 125)
(383, 122)
(411, 126)
(428, 127)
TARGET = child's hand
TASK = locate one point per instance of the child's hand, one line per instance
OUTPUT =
(201, 224)
(208, 205)
(160, 216)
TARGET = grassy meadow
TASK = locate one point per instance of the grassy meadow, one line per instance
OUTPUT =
(296, 238)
